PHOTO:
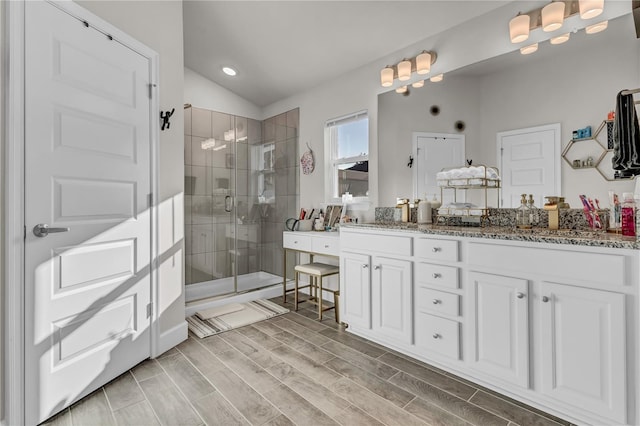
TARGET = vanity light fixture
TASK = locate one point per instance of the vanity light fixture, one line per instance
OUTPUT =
(386, 76)
(560, 39)
(423, 63)
(596, 28)
(420, 64)
(552, 16)
(229, 71)
(401, 89)
(527, 50)
(437, 78)
(404, 70)
(519, 28)
(590, 8)
(418, 84)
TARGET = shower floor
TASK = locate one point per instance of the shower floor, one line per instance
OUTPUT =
(222, 286)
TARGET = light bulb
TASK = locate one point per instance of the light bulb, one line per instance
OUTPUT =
(590, 8)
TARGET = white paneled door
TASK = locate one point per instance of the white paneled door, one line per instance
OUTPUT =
(87, 162)
(529, 163)
(434, 152)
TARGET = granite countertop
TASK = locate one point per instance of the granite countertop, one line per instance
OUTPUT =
(540, 235)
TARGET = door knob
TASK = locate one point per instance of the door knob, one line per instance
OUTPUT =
(545, 299)
(520, 295)
(41, 230)
(376, 267)
(365, 266)
(436, 336)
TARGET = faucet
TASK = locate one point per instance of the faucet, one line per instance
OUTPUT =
(553, 208)
(403, 204)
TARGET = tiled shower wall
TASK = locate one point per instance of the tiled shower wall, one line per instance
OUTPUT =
(280, 133)
(253, 163)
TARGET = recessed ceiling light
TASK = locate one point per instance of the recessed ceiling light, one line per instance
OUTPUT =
(229, 71)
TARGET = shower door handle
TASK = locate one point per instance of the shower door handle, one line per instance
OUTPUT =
(228, 203)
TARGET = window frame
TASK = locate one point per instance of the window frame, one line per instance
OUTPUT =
(333, 161)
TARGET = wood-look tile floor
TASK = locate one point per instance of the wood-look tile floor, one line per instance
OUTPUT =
(293, 370)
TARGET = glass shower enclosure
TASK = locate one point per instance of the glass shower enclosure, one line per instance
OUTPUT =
(240, 185)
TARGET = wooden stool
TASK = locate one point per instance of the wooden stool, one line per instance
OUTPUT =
(316, 272)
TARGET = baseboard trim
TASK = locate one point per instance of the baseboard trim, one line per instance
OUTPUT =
(172, 337)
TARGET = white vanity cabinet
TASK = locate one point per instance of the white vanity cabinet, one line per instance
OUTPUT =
(500, 338)
(583, 348)
(391, 297)
(554, 325)
(376, 290)
(355, 298)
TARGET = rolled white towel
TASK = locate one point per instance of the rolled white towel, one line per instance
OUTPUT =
(477, 171)
(442, 175)
(455, 173)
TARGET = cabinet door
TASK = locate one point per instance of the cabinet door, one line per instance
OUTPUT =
(391, 299)
(355, 289)
(583, 348)
(500, 324)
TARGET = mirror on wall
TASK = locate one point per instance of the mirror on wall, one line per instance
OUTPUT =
(573, 84)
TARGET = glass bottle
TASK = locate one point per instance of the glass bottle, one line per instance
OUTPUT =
(533, 212)
(523, 221)
(628, 215)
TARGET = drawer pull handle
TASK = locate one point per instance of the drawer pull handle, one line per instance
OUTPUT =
(365, 266)
(295, 242)
(436, 336)
(436, 249)
(326, 246)
(376, 267)
(436, 301)
(520, 295)
(545, 299)
(437, 275)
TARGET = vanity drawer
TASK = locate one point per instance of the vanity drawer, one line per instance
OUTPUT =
(439, 275)
(388, 244)
(438, 335)
(296, 241)
(436, 301)
(429, 248)
(326, 245)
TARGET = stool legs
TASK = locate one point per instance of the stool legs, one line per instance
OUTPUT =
(295, 291)
(319, 294)
(336, 298)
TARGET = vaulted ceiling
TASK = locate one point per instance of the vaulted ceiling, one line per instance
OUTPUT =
(281, 48)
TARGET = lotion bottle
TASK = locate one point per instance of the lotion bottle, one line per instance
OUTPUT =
(424, 211)
(628, 215)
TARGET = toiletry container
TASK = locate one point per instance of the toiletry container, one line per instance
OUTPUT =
(628, 215)
(424, 211)
(523, 220)
(534, 215)
(435, 205)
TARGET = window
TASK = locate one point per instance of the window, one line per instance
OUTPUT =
(347, 143)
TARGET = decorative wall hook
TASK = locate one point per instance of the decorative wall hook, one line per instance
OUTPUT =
(165, 118)
(410, 163)
(469, 161)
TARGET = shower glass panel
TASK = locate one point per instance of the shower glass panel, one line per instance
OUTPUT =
(239, 186)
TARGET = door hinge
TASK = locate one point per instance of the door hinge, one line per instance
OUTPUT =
(501, 151)
(25, 233)
(149, 310)
(150, 200)
(151, 86)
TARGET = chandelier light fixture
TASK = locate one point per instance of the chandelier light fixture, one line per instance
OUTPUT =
(527, 50)
(437, 78)
(418, 84)
(403, 70)
(596, 28)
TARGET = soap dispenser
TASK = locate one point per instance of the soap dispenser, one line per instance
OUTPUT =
(534, 215)
(523, 220)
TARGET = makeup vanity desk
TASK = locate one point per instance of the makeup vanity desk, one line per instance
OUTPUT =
(312, 243)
